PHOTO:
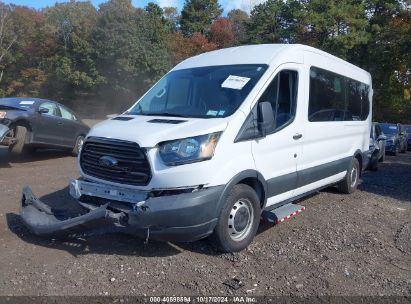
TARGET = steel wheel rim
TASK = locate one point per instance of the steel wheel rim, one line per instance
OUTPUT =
(240, 220)
(354, 176)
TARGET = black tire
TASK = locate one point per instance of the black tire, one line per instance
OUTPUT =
(20, 134)
(374, 163)
(404, 149)
(241, 201)
(350, 182)
(77, 147)
(396, 150)
(382, 158)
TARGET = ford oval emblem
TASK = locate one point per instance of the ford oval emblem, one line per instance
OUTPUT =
(108, 161)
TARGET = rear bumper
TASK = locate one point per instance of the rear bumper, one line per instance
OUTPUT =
(182, 217)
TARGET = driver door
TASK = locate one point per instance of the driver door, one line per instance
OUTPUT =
(276, 155)
(49, 125)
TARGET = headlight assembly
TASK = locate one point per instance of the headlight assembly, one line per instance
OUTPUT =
(189, 150)
(2, 115)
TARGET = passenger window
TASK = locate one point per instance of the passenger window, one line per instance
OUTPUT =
(53, 111)
(66, 114)
(327, 100)
(334, 97)
(282, 94)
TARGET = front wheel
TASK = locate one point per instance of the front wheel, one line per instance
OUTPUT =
(404, 148)
(382, 158)
(19, 147)
(350, 182)
(78, 146)
(239, 220)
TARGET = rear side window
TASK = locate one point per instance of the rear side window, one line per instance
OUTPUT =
(66, 114)
(334, 97)
(282, 94)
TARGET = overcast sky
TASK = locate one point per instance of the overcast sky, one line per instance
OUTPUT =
(226, 4)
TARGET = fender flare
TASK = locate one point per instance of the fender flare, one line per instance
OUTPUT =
(250, 173)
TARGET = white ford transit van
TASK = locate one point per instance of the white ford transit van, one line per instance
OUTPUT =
(221, 138)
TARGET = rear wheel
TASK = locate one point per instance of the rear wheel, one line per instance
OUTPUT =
(404, 148)
(350, 182)
(238, 221)
(19, 133)
(78, 146)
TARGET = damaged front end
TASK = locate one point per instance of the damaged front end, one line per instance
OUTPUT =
(177, 215)
(41, 219)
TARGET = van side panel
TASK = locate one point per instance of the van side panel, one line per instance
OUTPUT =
(327, 145)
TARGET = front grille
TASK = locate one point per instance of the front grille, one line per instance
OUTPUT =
(131, 166)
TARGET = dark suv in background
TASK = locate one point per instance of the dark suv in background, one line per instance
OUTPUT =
(396, 138)
(407, 131)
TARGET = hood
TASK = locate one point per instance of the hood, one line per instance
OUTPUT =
(148, 131)
(13, 113)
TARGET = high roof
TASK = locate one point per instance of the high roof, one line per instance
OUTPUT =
(247, 54)
(256, 54)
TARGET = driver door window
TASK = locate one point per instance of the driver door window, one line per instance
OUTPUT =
(282, 94)
(53, 111)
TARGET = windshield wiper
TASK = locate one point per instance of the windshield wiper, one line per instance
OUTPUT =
(164, 114)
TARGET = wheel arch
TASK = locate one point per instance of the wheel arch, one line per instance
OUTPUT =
(24, 123)
(361, 157)
(252, 178)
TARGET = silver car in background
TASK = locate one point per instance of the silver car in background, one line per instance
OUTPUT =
(377, 146)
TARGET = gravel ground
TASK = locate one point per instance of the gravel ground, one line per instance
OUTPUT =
(355, 244)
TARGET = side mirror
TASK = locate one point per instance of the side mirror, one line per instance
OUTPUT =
(266, 121)
(381, 137)
(43, 110)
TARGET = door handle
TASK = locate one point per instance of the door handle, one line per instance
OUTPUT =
(297, 136)
(60, 123)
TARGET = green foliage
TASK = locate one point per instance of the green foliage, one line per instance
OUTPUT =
(76, 53)
(198, 16)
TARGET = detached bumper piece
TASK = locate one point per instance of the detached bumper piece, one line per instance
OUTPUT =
(43, 220)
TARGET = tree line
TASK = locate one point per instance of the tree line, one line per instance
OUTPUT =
(103, 59)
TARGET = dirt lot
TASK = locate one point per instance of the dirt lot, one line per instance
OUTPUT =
(341, 245)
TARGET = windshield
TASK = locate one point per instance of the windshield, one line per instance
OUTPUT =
(205, 92)
(11, 103)
(389, 129)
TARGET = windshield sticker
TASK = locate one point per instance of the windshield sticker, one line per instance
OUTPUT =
(25, 102)
(221, 113)
(212, 113)
(393, 127)
(235, 82)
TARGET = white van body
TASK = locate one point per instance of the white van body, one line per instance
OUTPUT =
(296, 158)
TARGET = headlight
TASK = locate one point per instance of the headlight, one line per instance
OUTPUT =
(189, 150)
(2, 115)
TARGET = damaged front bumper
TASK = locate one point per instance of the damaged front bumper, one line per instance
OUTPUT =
(41, 219)
(174, 216)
